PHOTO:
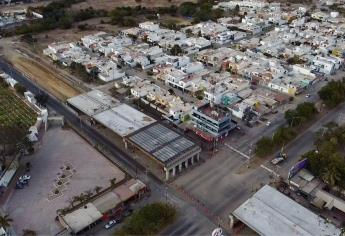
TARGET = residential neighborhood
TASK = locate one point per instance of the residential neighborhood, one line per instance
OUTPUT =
(177, 117)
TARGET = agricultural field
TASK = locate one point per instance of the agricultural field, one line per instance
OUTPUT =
(15, 117)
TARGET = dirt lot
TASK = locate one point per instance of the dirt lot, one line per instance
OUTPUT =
(40, 74)
(34, 207)
(45, 77)
(110, 4)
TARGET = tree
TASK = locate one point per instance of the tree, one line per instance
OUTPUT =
(29, 232)
(5, 221)
(176, 50)
(98, 189)
(237, 9)
(149, 220)
(264, 147)
(333, 93)
(113, 182)
(20, 89)
(187, 9)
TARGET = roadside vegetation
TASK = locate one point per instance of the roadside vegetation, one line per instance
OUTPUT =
(60, 15)
(149, 220)
(327, 161)
(79, 70)
(295, 119)
(333, 93)
(57, 14)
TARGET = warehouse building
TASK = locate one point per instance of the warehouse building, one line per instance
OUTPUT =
(171, 150)
(111, 113)
(269, 212)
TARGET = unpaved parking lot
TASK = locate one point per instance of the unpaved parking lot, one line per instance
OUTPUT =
(34, 207)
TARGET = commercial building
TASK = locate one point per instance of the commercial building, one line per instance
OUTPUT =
(108, 204)
(169, 149)
(210, 122)
(269, 212)
(118, 117)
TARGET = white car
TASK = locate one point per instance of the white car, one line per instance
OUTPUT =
(307, 95)
(24, 177)
(110, 224)
(268, 123)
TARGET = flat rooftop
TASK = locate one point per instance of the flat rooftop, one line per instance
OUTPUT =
(93, 102)
(123, 119)
(162, 143)
(269, 212)
(214, 113)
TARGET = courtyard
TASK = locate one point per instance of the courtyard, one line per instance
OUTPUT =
(64, 167)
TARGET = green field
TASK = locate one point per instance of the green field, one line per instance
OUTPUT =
(15, 116)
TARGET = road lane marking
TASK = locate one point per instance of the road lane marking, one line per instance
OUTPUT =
(239, 152)
(269, 170)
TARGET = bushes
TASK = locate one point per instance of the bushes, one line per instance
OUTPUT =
(333, 93)
(328, 162)
(266, 146)
(20, 89)
(304, 112)
(58, 15)
(149, 220)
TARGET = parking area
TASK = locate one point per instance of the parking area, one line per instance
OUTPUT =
(65, 166)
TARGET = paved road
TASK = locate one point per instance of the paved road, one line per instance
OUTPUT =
(189, 212)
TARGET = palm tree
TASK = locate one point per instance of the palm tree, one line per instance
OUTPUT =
(5, 221)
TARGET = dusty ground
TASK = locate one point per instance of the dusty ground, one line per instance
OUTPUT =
(110, 4)
(45, 77)
(31, 208)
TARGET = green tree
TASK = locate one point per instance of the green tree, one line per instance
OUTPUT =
(264, 147)
(5, 221)
(29, 232)
(149, 220)
(20, 89)
(188, 9)
(176, 50)
(333, 93)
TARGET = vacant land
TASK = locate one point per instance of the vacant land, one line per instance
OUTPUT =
(44, 77)
(15, 115)
(110, 4)
(35, 206)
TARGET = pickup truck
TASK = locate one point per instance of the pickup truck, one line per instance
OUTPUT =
(281, 157)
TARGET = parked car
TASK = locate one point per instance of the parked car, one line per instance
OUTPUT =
(110, 224)
(307, 95)
(24, 178)
(268, 123)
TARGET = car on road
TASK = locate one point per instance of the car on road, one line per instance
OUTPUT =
(110, 224)
(24, 178)
(279, 158)
(268, 123)
(307, 95)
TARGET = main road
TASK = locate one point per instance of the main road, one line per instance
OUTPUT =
(190, 216)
